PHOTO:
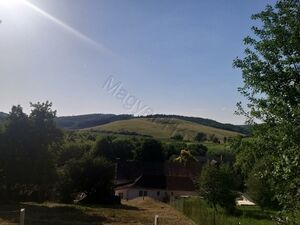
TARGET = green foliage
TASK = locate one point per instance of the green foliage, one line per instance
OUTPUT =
(216, 185)
(114, 149)
(214, 139)
(104, 147)
(198, 210)
(197, 149)
(177, 137)
(200, 137)
(172, 150)
(72, 150)
(258, 188)
(26, 152)
(150, 151)
(124, 149)
(89, 175)
(272, 87)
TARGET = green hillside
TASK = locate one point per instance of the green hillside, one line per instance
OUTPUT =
(207, 122)
(3, 117)
(163, 128)
(89, 120)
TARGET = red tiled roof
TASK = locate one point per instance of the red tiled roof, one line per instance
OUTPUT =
(171, 176)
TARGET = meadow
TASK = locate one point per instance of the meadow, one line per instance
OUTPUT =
(197, 210)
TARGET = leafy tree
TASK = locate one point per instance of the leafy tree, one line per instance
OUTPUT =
(14, 153)
(197, 149)
(89, 175)
(245, 156)
(200, 137)
(150, 151)
(45, 137)
(123, 149)
(27, 151)
(271, 68)
(216, 185)
(172, 150)
(258, 188)
(104, 147)
(72, 150)
(214, 139)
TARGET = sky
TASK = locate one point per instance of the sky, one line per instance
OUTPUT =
(125, 56)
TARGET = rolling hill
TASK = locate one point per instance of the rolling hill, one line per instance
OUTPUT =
(162, 128)
(207, 122)
(3, 116)
(159, 126)
(90, 120)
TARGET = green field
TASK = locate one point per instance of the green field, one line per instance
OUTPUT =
(163, 128)
(202, 214)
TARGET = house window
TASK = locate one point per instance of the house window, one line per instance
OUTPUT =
(145, 193)
(121, 195)
(140, 193)
(158, 193)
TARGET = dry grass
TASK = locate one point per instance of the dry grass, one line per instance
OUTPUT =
(139, 212)
(163, 128)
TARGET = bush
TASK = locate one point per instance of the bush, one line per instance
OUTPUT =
(197, 149)
(92, 176)
(200, 137)
(177, 137)
(150, 151)
(216, 185)
(259, 189)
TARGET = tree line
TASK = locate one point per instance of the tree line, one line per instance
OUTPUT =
(39, 161)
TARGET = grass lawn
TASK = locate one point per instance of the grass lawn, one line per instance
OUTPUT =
(134, 212)
(202, 214)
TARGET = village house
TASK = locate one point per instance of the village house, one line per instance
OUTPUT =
(160, 181)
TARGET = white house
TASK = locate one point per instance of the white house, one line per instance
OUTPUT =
(160, 181)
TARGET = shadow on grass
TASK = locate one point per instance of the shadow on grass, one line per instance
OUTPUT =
(54, 215)
(121, 206)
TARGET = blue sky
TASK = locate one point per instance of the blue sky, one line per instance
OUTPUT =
(174, 57)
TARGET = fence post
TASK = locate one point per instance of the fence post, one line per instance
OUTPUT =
(156, 220)
(22, 216)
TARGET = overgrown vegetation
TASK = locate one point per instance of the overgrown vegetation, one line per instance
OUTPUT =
(271, 75)
(216, 185)
(200, 212)
(39, 161)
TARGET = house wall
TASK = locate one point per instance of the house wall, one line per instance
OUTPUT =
(132, 193)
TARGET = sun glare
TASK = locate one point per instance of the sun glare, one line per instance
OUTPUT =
(11, 4)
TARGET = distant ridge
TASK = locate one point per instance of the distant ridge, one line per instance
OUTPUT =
(92, 120)
(3, 115)
(89, 120)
